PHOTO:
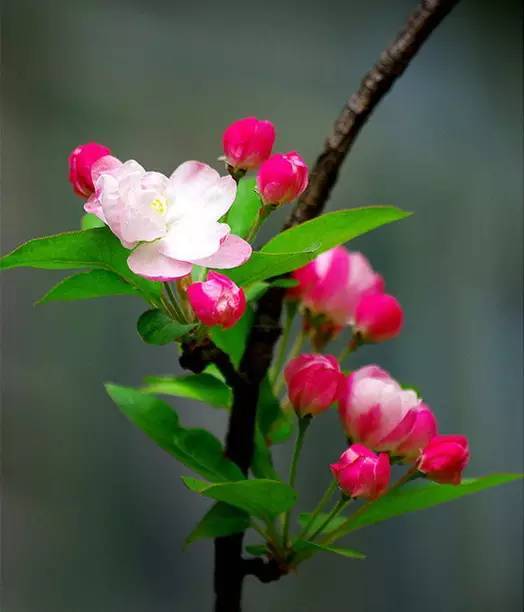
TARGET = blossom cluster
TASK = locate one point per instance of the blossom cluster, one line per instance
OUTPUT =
(383, 422)
(172, 223)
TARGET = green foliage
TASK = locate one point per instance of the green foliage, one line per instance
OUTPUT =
(244, 211)
(88, 285)
(303, 546)
(320, 519)
(420, 495)
(262, 498)
(262, 462)
(196, 448)
(95, 249)
(203, 387)
(258, 550)
(221, 520)
(296, 246)
(156, 327)
(233, 340)
(90, 221)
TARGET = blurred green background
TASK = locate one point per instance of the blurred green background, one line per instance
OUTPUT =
(94, 515)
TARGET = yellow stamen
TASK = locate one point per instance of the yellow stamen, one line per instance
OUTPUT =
(160, 205)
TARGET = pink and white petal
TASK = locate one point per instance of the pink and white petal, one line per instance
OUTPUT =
(147, 261)
(188, 183)
(93, 207)
(104, 165)
(217, 199)
(233, 252)
(191, 239)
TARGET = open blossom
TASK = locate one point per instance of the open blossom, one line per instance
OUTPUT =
(361, 473)
(378, 317)
(282, 178)
(171, 223)
(313, 382)
(376, 411)
(80, 163)
(217, 301)
(248, 142)
(444, 459)
(334, 282)
(424, 429)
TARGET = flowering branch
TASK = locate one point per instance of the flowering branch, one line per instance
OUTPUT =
(266, 328)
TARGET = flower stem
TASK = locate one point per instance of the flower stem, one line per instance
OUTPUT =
(282, 347)
(263, 213)
(295, 350)
(354, 342)
(175, 308)
(323, 501)
(340, 505)
(344, 529)
(303, 424)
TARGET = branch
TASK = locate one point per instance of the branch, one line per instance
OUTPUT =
(374, 86)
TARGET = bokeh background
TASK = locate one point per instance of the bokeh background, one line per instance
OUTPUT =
(94, 515)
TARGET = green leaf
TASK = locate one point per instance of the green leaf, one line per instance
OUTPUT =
(268, 407)
(221, 520)
(257, 289)
(265, 265)
(196, 448)
(305, 546)
(233, 340)
(332, 229)
(88, 285)
(202, 387)
(320, 519)
(262, 462)
(263, 498)
(258, 550)
(96, 248)
(419, 495)
(244, 211)
(90, 221)
(298, 245)
(155, 327)
(282, 428)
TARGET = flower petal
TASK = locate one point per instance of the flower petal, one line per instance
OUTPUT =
(233, 252)
(147, 260)
(192, 239)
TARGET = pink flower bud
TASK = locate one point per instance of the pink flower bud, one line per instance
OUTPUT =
(282, 178)
(80, 162)
(361, 473)
(334, 282)
(378, 317)
(248, 142)
(423, 430)
(217, 301)
(313, 382)
(444, 459)
(375, 410)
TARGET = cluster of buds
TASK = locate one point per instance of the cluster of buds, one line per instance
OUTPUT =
(281, 178)
(340, 288)
(377, 416)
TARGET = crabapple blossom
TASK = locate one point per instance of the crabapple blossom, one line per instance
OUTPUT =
(444, 459)
(361, 473)
(248, 142)
(282, 178)
(334, 282)
(170, 223)
(80, 162)
(378, 317)
(423, 430)
(217, 301)
(375, 410)
(313, 382)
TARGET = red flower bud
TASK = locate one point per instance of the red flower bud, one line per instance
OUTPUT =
(248, 142)
(444, 459)
(282, 178)
(378, 317)
(217, 301)
(361, 473)
(80, 162)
